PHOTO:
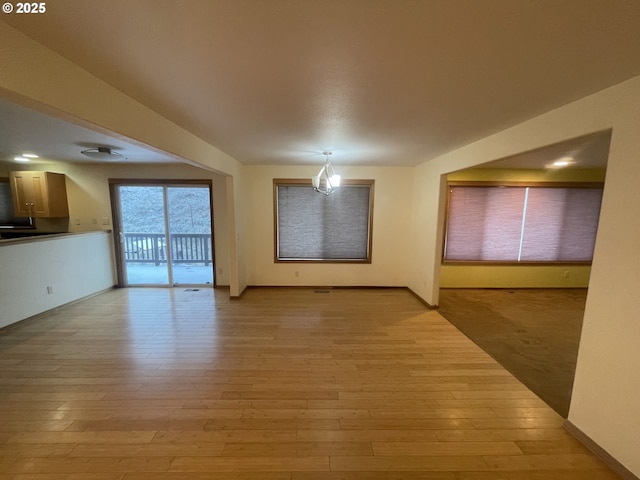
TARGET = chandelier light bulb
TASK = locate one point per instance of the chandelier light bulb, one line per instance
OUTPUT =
(326, 173)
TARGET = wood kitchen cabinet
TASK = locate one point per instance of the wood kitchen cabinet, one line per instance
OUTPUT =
(39, 194)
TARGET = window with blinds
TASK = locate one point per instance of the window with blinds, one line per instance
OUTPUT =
(522, 223)
(317, 228)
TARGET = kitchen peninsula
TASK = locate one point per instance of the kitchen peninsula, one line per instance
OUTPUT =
(39, 273)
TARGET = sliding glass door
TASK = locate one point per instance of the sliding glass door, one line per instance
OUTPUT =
(143, 235)
(189, 221)
(164, 234)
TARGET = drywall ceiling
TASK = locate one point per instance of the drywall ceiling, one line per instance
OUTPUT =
(588, 151)
(378, 82)
(23, 130)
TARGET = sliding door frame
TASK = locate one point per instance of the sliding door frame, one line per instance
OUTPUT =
(114, 183)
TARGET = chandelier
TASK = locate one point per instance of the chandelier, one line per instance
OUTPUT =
(327, 176)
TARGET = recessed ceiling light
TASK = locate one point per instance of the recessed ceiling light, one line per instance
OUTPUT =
(21, 159)
(562, 162)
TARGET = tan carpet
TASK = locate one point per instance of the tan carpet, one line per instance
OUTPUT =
(533, 333)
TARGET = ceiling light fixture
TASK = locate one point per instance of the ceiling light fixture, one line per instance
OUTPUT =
(102, 153)
(30, 155)
(327, 176)
(562, 162)
(22, 159)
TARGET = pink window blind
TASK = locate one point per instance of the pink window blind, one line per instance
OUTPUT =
(522, 224)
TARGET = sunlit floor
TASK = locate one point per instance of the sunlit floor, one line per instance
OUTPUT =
(295, 384)
(150, 274)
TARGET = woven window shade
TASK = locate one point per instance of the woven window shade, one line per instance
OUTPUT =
(484, 223)
(522, 224)
(318, 227)
(561, 224)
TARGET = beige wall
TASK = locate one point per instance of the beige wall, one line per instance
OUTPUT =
(514, 276)
(519, 276)
(239, 208)
(607, 386)
(89, 200)
(482, 174)
(390, 222)
(38, 78)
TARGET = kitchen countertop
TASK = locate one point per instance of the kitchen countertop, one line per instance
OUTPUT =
(42, 236)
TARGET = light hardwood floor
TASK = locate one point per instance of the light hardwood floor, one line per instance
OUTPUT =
(296, 384)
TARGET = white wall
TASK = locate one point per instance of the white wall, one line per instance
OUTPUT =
(74, 265)
(606, 391)
(392, 203)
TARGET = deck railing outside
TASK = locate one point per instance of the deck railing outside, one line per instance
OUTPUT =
(151, 248)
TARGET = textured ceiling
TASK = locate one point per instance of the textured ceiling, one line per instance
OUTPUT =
(378, 82)
(23, 130)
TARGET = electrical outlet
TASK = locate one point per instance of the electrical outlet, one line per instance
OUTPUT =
(297, 273)
(49, 290)
(565, 274)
